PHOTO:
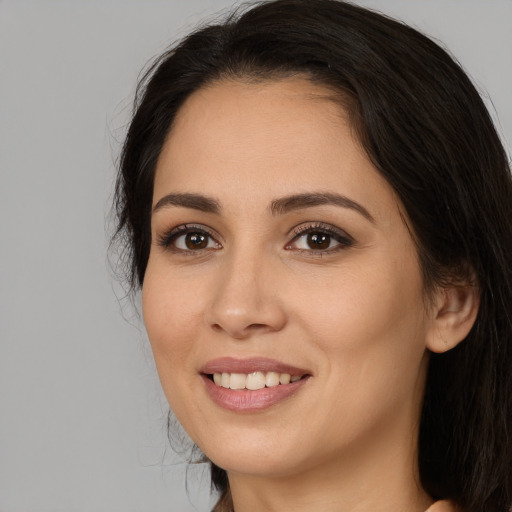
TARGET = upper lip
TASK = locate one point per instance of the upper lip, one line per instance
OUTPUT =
(250, 365)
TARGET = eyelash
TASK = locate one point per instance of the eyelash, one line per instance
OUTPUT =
(168, 239)
(344, 239)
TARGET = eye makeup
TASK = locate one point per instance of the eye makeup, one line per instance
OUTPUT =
(318, 237)
(315, 238)
(196, 238)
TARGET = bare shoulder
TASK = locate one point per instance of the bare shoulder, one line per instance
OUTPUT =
(442, 506)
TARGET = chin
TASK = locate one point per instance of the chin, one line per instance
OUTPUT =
(255, 463)
(257, 453)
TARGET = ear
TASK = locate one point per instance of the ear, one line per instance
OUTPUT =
(453, 315)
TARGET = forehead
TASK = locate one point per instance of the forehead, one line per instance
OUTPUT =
(236, 119)
(256, 140)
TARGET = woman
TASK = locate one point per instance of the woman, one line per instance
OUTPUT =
(316, 206)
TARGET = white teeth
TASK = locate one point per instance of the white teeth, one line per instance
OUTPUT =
(237, 381)
(253, 381)
(284, 378)
(272, 379)
(225, 380)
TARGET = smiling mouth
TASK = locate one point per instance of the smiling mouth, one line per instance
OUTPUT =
(252, 385)
(253, 381)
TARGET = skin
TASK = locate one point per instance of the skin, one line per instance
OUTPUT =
(354, 316)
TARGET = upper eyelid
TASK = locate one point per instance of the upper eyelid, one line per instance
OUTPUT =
(186, 227)
(168, 235)
(305, 227)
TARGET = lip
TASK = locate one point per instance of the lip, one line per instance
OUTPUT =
(244, 400)
(253, 364)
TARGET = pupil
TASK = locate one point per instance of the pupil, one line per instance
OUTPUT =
(196, 241)
(319, 241)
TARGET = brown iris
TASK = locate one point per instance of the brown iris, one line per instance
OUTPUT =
(318, 241)
(196, 241)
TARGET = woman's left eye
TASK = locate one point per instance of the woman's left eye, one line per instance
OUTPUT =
(315, 239)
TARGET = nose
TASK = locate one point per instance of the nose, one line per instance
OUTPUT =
(246, 300)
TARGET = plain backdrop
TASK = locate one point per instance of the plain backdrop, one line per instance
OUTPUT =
(82, 418)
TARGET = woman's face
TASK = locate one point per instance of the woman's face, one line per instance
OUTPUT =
(279, 252)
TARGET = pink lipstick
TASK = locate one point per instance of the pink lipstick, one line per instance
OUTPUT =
(250, 385)
(254, 364)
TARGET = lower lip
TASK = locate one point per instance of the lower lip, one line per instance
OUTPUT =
(244, 400)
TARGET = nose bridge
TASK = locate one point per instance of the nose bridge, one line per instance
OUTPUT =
(245, 300)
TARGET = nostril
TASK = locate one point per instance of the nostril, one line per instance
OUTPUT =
(257, 326)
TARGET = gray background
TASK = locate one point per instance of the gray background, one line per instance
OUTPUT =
(82, 419)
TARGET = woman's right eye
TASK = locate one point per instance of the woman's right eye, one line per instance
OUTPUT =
(188, 239)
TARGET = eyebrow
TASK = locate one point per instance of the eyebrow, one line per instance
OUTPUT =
(194, 201)
(279, 206)
(309, 200)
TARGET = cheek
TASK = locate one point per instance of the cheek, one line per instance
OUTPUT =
(172, 311)
(367, 328)
(369, 320)
(376, 299)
